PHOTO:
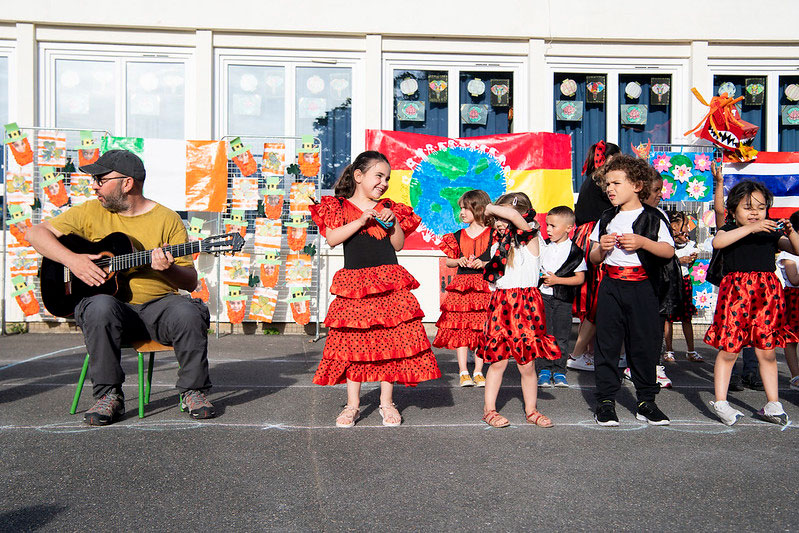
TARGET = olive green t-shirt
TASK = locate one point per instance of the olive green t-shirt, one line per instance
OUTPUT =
(153, 229)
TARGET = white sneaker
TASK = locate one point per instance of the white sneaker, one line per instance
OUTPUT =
(727, 413)
(794, 384)
(584, 362)
(774, 413)
(663, 379)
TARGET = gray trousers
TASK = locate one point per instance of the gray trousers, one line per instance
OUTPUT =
(174, 320)
(559, 324)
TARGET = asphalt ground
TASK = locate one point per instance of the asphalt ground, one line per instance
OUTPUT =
(273, 459)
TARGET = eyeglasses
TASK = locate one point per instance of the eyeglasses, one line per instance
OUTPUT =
(102, 180)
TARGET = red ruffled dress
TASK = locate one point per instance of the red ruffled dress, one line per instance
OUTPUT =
(375, 323)
(791, 299)
(465, 307)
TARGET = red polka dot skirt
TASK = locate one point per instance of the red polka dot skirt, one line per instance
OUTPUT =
(463, 313)
(750, 311)
(517, 328)
(791, 314)
(376, 331)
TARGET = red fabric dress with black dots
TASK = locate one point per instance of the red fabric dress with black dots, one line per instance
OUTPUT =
(465, 307)
(375, 323)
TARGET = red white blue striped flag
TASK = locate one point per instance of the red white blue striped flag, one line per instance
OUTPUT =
(779, 171)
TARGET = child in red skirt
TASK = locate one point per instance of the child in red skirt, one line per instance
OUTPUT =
(517, 324)
(751, 308)
(376, 331)
(789, 268)
(463, 311)
(687, 253)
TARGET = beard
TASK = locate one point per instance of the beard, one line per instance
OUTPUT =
(116, 201)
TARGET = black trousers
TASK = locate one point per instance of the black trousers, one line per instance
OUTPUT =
(108, 323)
(559, 324)
(627, 312)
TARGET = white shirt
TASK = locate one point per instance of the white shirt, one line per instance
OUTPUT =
(553, 255)
(688, 249)
(623, 223)
(523, 272)
(785, 256)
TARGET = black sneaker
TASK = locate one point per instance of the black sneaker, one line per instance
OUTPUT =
(605, 414)
(735, 383)
(198, 405)
(753, 381)
(107, 410)
(649, 412)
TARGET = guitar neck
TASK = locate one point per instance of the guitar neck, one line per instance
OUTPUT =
(136, 259)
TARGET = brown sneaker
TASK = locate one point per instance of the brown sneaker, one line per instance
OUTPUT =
(107, 410)
(198, 405)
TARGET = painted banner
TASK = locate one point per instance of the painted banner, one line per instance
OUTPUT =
(206, 176)
(686, 175)
(779, 171)
(431, 173)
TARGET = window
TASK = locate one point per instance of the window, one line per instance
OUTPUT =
(788, 113)
(125, 91)
(636, 93)
(291, 96)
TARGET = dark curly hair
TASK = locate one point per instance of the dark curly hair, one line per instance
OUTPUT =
(636, 170)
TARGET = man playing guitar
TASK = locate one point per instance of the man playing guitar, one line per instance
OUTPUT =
(151, 308)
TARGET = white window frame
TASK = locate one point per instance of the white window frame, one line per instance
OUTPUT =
(454, 65)
(612, 67)
(290, 61)
(49, 53)
(771, 69)
(7, 50)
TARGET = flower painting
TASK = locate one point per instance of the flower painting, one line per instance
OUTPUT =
(686, 175)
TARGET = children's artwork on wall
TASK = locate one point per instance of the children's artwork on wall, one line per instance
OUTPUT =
(660, 88)
(267, 235)
(18, 142)
(53, 186)
(633, 114)
(300, 306)
(50, 210)
(241, 154)
(500, 93)
(301, 195)
(704, 298)
(23, 294)
(312, 107)
(474, 114)
(568, 87)
(196, 232)
(308, 157)
(298, 270)
(642, 150)
(236, 222)
(569, 110)
(595, 89)
(88, 151)
(236, 304)
(236, 269)
(686, 176)
(244, 193)
(23, 261)
(269, 265)
(19, 187)
(409, 86)
(792, 92)
(18, 222)
(410, 111)
(633, 90)
(262, 306)
(52, 149)
(201, 292)
(789, 115)
(754, 91)
(274, 160)
(340, 86)
(80, 188)
(438, 85)
(297, 232)
(273, 197)
(727, 87)
(476, 87)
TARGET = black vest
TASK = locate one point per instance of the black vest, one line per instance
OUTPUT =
(566, 293)
(485, 256)
(664, 273)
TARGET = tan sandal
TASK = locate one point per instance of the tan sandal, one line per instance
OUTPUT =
(495, 420)
(390, 415)
(348, 417)
(539, 420)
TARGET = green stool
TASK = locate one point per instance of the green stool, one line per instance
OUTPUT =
(144, 391)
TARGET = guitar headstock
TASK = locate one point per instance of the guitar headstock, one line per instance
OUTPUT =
(228, 242)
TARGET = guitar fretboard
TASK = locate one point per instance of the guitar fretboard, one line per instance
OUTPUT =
(126, 261)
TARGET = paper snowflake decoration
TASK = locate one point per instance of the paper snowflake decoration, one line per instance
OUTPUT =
(667, 191)
(702, 162)
(696, 189)
(662, 163)
(699, 272)
(704, 299)
(681, 173)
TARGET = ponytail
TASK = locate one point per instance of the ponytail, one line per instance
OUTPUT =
(345, 184)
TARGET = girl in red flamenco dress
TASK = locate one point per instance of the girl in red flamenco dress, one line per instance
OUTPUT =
(375, 323)
(464, 309)
(750, 310)
(516, 326)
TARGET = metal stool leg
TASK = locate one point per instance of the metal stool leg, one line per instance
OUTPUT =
(79, 388)
(141, 384)
(149, 378)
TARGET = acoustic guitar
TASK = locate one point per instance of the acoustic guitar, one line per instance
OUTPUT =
(61, 291)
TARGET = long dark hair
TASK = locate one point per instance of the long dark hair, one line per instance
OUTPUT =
(476, 201)
(589, 166)
(742, 190)
(345, 184)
